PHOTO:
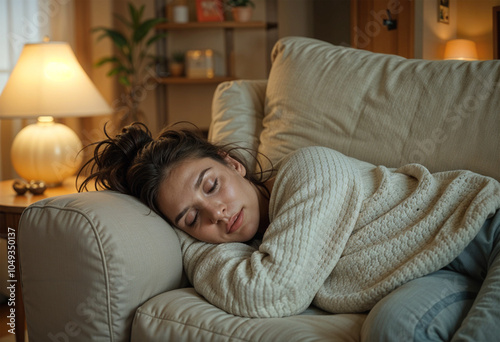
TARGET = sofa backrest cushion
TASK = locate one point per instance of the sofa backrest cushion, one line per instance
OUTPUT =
(237, 114)
(383, 109)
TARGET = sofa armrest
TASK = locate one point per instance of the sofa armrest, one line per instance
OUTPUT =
(88, 260)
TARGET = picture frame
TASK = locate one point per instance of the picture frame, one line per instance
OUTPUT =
(209, 10)
(444, 11)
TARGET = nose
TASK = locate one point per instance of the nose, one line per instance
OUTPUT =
(217, 212)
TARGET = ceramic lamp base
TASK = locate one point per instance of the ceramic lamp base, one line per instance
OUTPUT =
(46, 151)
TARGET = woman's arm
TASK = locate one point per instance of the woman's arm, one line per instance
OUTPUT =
(314, 206)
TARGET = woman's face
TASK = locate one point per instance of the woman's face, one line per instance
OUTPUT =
(211, 201)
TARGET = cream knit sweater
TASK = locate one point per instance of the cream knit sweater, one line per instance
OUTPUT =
(343, 234)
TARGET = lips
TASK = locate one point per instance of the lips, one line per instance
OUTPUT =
(235, 222)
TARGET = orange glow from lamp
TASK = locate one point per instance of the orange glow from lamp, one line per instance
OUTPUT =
(460, 49)
(48, 82)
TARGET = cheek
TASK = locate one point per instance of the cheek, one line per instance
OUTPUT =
(236, 188)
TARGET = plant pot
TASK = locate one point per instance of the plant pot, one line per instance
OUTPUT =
(242, 14)
(176, 69)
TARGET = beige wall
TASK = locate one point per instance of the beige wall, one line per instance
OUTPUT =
(469, 19)
(475, 23)
(430, 34)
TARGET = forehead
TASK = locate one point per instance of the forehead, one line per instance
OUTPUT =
(177, 186)
(186, 171)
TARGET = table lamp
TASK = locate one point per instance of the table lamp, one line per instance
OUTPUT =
(48, 82)
(461, 49)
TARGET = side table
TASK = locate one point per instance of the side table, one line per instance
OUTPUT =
(11, 208)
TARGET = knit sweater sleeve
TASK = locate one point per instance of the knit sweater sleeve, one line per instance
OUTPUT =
(313, 209)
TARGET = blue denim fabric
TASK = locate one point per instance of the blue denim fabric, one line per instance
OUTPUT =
(458, 303)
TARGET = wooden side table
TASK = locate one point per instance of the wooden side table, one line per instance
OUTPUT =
(11, 207)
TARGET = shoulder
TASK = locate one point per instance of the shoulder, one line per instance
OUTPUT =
(312, 175)
(309, 166)
(307, 158)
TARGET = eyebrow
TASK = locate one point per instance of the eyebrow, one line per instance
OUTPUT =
(196, 187)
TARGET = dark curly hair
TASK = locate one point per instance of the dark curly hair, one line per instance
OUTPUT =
(134, 163)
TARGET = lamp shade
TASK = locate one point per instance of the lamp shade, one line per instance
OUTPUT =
(461, 49)
(48, 80)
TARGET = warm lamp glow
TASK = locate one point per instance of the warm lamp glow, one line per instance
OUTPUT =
(48, 82)
(46, 151)
(461, 49)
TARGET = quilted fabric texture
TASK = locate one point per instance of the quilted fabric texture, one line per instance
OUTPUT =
(183, 315)
(383, 109)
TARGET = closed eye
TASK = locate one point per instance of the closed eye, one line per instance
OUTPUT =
(194, 220)
(211, 190)
(214, 187)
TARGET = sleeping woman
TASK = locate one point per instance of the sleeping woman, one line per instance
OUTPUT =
(322, 228)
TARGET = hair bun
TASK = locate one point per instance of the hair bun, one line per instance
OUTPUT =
(132, 140)
(114, 156)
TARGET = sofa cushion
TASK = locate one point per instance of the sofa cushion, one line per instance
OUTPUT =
(237, 113)
(183, 315)
(383, 109)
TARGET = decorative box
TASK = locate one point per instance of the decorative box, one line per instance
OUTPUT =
(203, 64)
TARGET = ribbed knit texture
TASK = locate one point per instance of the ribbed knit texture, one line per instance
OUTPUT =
(333, 242)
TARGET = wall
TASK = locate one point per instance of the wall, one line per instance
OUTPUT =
(475, 23)
(430, 34)
(469, 19)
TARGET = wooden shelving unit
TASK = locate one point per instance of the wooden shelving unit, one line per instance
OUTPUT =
(185, 80)
(222, 24)
(227, 28)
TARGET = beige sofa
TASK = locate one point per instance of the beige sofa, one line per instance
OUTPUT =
(100, 266)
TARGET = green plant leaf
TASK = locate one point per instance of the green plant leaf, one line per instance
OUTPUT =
(105, 60)
(240, 3)
(113, 71)
(136, 15)
(129, 59)
(133, 13)
(155, 38)
(141, 11)
(119, 69)
(145, 27)
(117, 37)
(124, 80)
(123, 20)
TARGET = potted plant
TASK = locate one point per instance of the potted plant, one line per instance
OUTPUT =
(131, 61)
(176, 65)
(242, 10)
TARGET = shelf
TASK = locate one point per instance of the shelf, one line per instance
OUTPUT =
(185, 80)
(229, 30)
(216, 24)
